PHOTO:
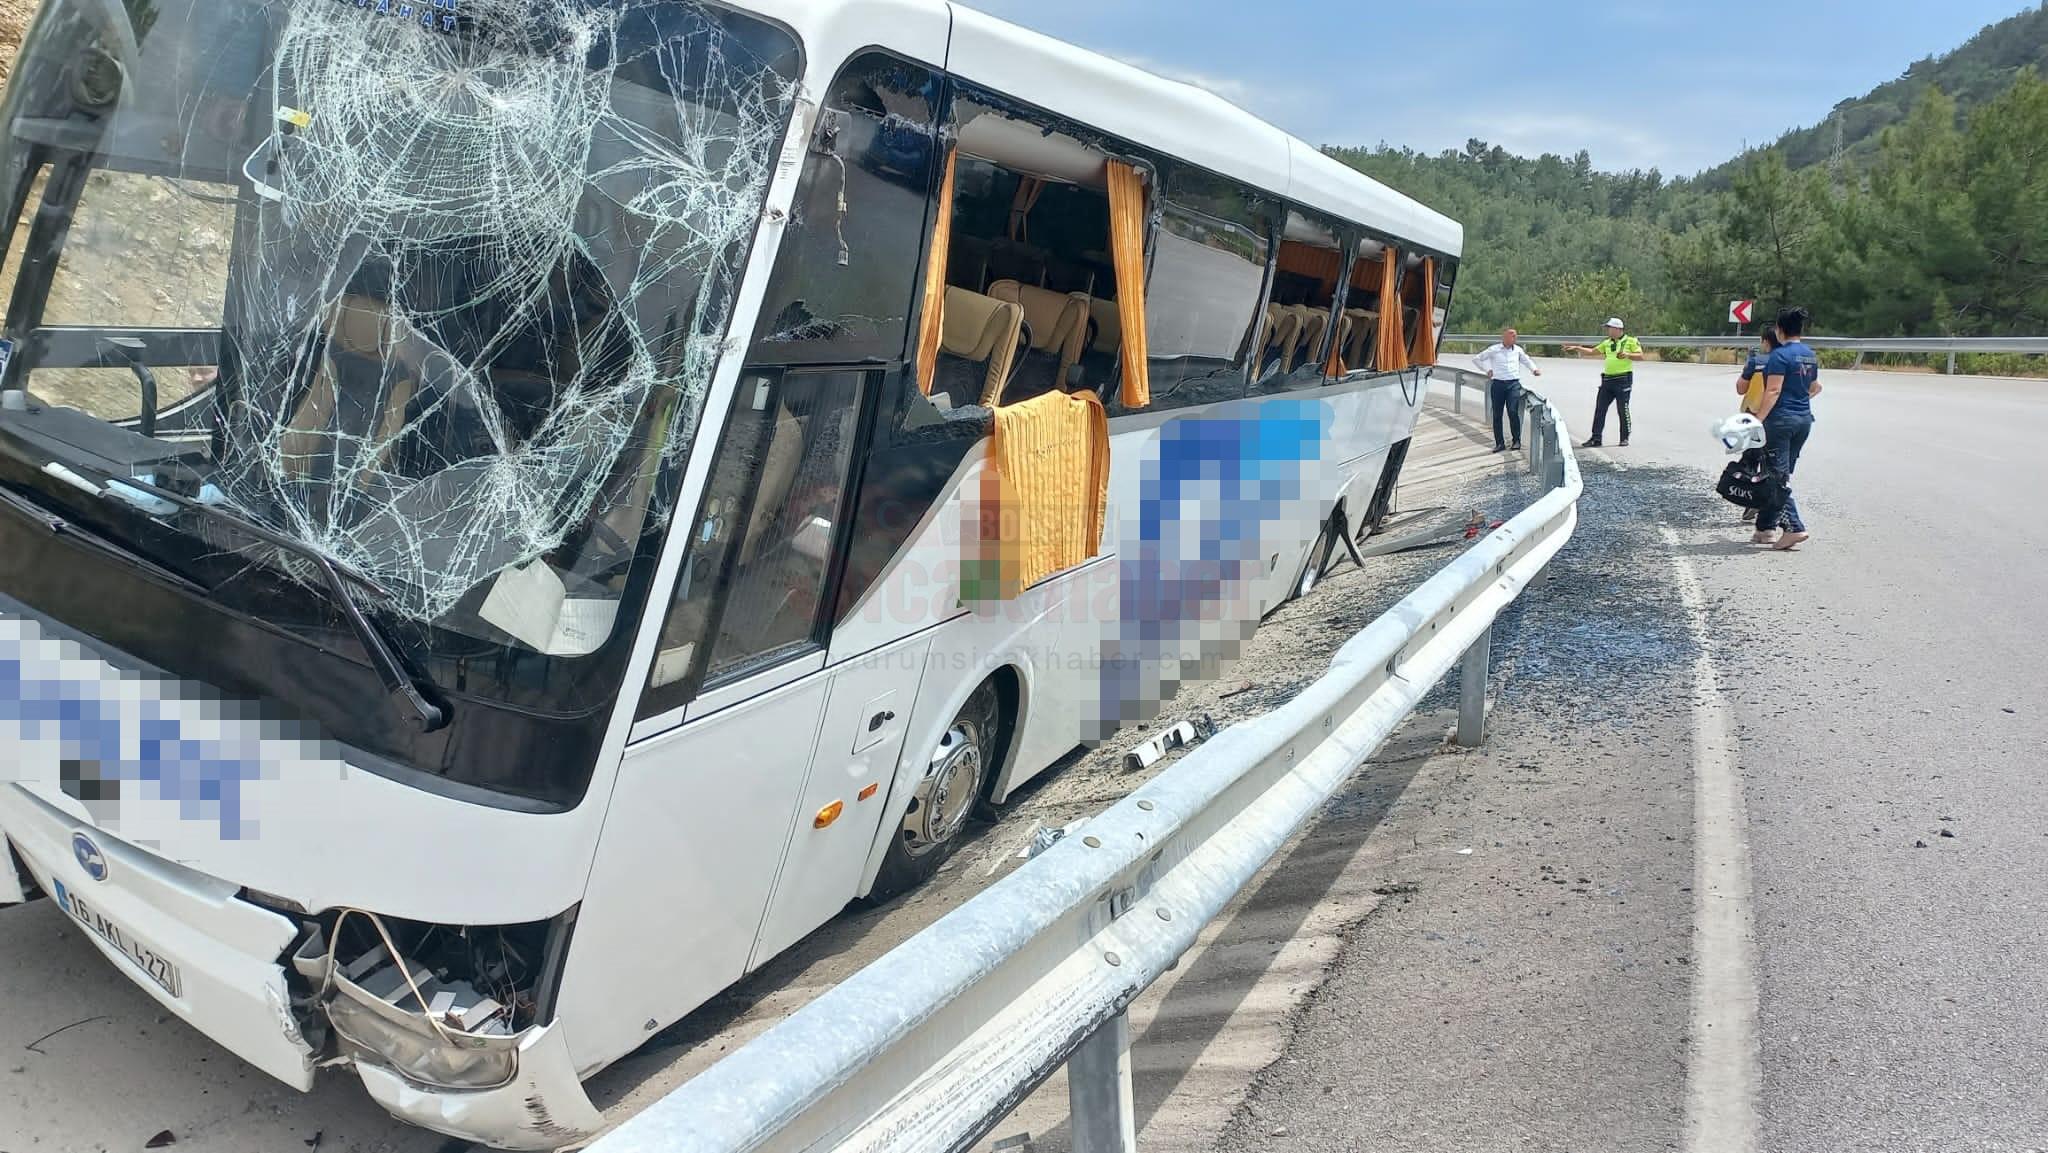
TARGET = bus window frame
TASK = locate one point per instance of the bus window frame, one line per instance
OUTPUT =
(700, 682)
(1273, 212)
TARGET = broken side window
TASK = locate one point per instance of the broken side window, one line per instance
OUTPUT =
(847, 275)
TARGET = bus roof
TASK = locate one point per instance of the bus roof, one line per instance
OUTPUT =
(1184, 121)
(1175, 118)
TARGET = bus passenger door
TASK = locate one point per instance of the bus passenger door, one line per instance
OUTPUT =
(858, 747)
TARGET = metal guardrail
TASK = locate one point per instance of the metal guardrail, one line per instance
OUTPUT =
(931, 1046)
(1952, 345)
(1544, 460)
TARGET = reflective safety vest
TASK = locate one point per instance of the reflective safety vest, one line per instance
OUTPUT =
(1618, 363)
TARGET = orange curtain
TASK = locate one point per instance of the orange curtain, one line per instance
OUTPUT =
(1127, 252)
(932, 320)
(1044, 494)
(1424, 351)
(1393, 354)
(1325, 264)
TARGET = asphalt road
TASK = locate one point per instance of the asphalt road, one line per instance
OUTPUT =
(1883, 702)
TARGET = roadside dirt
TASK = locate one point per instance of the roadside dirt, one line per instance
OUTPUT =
(14, 18)
(144, 251)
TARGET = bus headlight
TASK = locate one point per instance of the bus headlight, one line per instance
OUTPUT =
(383, 1034)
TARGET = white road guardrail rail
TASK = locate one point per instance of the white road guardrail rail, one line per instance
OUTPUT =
(930, 1047)
(1861, 346)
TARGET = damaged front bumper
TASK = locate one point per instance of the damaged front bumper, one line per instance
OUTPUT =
(503, 1089)
(180, 935)
(543, 1106)
(217, 961)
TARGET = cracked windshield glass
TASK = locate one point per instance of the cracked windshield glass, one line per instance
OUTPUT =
(432, 291)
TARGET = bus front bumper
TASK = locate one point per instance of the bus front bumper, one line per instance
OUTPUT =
(184, 937)
(542, 1107)
(212, 958)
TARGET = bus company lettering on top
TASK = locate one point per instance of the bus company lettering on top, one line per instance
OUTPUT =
(437, 15)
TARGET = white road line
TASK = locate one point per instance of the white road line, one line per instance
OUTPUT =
(1721, 1054)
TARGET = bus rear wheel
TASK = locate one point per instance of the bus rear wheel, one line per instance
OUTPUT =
(957, 772)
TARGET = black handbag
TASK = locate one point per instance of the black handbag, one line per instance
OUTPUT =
(1750, 481)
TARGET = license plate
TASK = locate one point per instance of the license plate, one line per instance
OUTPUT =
(153, 964)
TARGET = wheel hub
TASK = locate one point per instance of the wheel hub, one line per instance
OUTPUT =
(946, 795)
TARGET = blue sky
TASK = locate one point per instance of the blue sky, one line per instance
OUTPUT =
(1678, 86)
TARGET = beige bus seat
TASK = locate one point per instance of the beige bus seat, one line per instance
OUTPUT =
(778, 472)
(1297, 321)
(361, 336)
(982, 329)
(1313, 321)
(1358, 349)
(1283, 332)
(1059, 322)
(1109, 325)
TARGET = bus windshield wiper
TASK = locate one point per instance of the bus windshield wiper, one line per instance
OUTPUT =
(399, 680)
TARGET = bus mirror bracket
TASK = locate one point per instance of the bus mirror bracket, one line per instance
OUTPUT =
(831, 126)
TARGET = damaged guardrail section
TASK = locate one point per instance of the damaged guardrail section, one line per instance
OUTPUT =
(934, 1044)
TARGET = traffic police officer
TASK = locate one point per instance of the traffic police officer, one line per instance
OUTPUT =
(1617, 377)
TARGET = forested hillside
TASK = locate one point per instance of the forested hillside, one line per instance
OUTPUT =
(1938, 224)
(1544, 238)
(1981, 69)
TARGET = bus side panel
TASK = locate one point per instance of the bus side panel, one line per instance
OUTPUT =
(965, 651)
(861, 746)
(1054, 634)
(1370, 421)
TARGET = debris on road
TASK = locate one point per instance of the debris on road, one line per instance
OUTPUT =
(163, 1138)
(31, 1046)
(1182, 734)
(1045, 838)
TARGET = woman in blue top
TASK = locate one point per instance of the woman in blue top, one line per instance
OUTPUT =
(1791, 381)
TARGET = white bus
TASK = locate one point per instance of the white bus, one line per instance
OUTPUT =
(514, 512)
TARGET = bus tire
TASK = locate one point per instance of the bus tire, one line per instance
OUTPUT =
(958, 770)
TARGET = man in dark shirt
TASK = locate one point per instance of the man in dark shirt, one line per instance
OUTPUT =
(1791, 381)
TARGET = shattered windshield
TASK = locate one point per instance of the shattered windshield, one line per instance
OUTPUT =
(435, 288)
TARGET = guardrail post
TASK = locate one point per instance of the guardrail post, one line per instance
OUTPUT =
(1471, 697)
(1099, 1091)
(1951, 362)
(1458, 392)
